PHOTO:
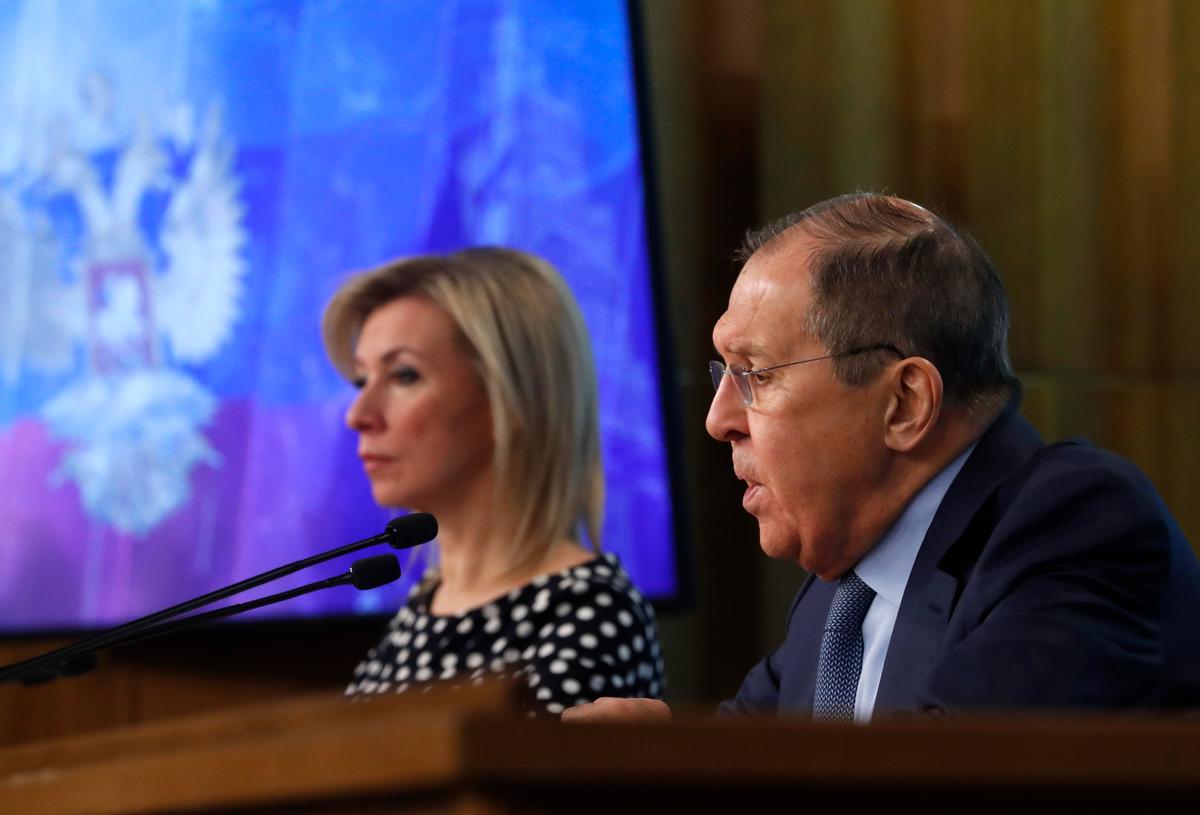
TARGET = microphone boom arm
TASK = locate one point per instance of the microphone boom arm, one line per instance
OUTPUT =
(172, 626)
(401, 533)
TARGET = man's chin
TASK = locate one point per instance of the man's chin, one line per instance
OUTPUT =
(776, 543)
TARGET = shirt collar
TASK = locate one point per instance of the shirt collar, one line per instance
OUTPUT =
(886, 567)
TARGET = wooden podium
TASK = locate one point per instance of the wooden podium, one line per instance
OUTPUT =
(470, 752)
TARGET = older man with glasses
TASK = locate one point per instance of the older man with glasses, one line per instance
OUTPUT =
(956, 561)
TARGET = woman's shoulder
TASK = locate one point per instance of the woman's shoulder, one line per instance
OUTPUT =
(597, 636)
(602, 571)
(600, 584)
(598, 587)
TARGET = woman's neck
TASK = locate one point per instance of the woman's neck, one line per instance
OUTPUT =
(477, 558)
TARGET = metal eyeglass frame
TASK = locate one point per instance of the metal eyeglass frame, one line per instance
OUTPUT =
(718, 369)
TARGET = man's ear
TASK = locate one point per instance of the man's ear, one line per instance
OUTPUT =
(914, 403)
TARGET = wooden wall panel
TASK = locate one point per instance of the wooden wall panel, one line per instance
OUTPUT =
(215, 667)
(797, 88)
(999, 189)
(1135, 198)
(863, 53)
(1064, 324)
(1065, 135)
(1180, 480)
(103, 699)
(1184, 191)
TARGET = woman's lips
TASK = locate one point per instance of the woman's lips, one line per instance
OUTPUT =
(372, 462)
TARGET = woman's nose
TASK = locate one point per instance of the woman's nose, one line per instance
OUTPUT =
(363, 416)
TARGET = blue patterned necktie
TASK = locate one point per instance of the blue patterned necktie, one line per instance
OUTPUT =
(841, 657)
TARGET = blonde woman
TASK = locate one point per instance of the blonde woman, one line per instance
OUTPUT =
(477, 403)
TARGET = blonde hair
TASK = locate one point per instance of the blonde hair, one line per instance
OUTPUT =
(527, 338)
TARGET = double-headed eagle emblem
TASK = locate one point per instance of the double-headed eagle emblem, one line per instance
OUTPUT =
(121, 268)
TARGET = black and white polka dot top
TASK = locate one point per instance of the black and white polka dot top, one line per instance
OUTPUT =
(573, 636)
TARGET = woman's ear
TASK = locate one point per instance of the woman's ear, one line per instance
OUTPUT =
(914, 405)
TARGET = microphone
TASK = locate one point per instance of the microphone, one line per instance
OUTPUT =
(364, 574)
(411, 530)
(401, 533)
(370, 572)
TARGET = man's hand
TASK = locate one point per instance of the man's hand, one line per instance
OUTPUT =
(609, 709)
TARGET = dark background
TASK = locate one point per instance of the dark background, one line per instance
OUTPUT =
(1064, 134)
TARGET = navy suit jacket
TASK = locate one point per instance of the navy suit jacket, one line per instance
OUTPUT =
(1050, 577)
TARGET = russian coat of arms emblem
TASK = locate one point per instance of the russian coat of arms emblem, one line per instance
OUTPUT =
(121, 270)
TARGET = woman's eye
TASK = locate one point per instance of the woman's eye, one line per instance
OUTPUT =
(406, 375)
(358, 382)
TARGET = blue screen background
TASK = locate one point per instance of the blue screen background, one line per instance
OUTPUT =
(182, 187)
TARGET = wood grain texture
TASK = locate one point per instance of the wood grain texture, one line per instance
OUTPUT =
(1063, 134)
(195, 672)
(471, 751)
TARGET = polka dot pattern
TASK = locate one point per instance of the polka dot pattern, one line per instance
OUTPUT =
(575, 635)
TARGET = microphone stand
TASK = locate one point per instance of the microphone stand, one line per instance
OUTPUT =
(366, 573)
(401, 533)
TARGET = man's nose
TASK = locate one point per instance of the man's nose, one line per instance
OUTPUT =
(726, 419)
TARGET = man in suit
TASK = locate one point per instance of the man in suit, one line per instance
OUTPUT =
(956, 562)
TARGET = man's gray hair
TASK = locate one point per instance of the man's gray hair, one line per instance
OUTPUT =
(886, 272)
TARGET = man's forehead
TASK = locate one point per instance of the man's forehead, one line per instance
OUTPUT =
(767, 303)
(778, 271)
(737, 337)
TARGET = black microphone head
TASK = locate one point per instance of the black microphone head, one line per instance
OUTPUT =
(411, 530)
(375, 571)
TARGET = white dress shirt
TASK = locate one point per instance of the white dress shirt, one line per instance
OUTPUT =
(885, 569)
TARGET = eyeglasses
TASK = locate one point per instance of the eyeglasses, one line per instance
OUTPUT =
(741, 375)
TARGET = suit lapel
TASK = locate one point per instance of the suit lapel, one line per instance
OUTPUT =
(933, 585)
